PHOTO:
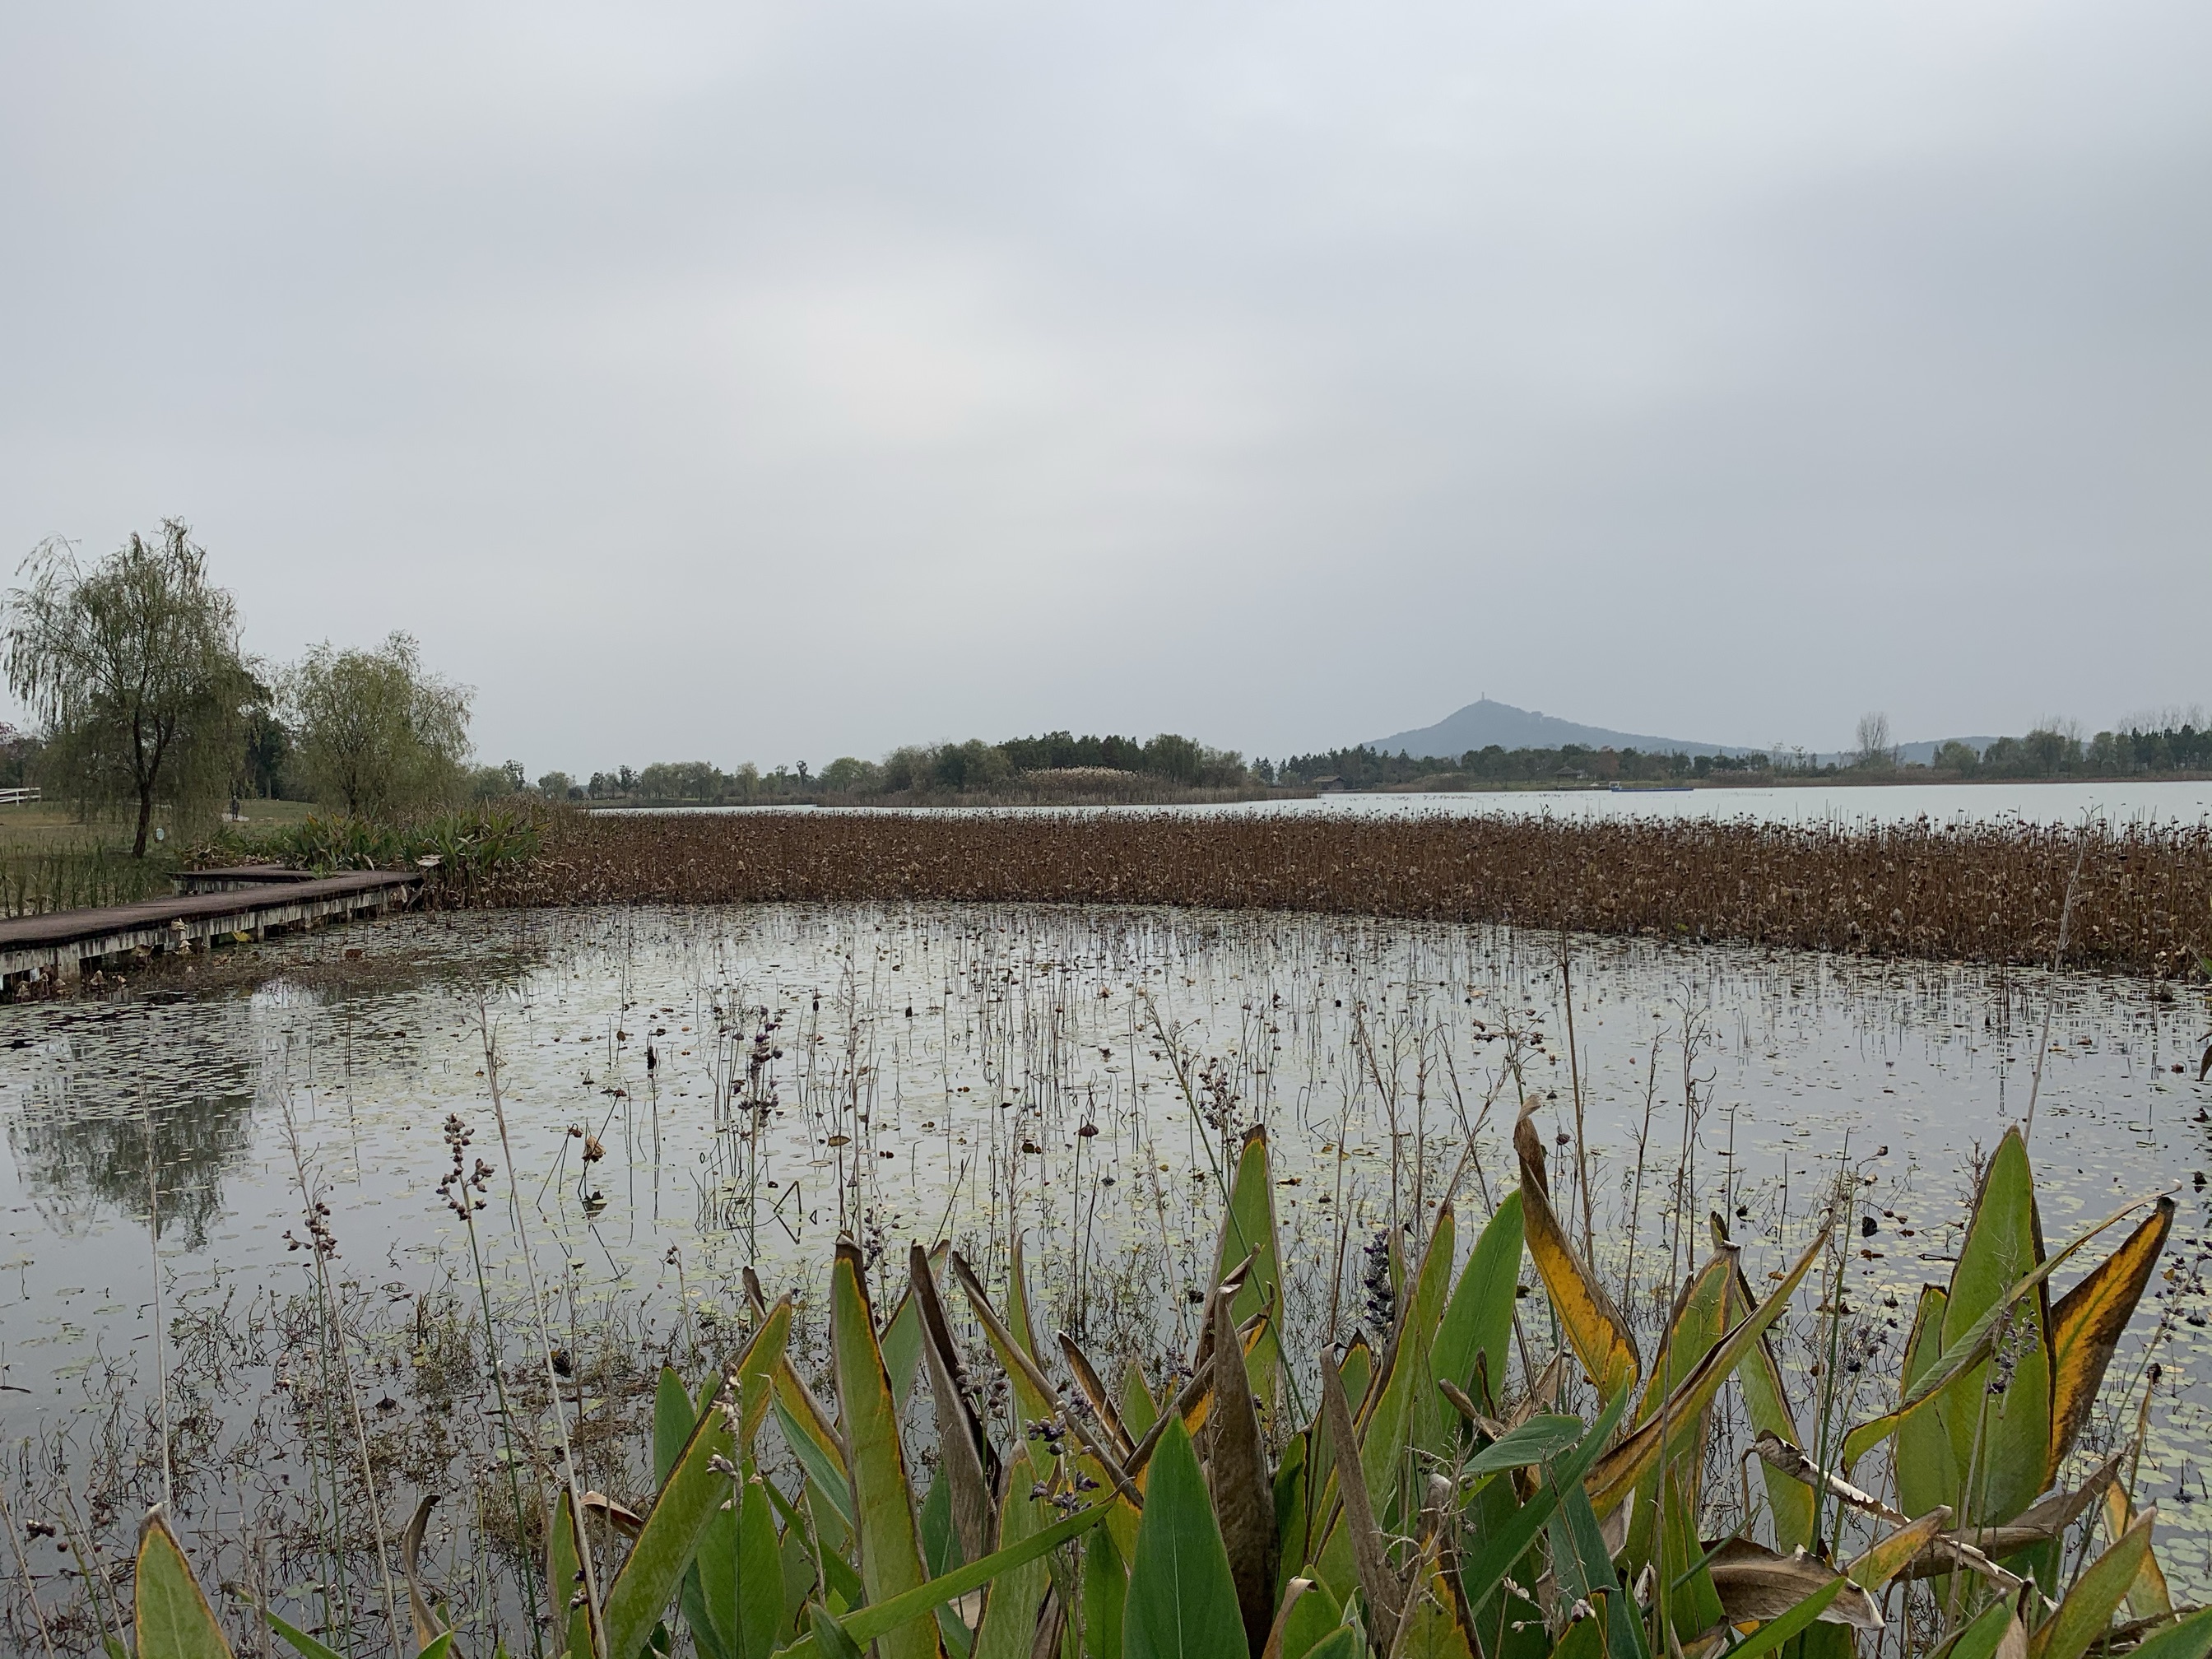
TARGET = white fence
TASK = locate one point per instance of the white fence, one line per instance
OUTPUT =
(17, 797)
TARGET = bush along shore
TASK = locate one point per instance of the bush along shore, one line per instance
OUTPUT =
(2132, 900)
(1506, 1475)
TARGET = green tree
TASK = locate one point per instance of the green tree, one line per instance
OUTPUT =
(375, 732)
(1957, 756)
(134, 669)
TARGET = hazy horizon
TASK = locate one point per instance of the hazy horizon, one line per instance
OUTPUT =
(756, 384)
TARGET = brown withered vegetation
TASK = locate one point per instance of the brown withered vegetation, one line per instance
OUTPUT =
(1994, 893)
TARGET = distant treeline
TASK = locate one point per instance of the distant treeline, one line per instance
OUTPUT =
(2048, 751)
(1086, 764)
(1059, 764)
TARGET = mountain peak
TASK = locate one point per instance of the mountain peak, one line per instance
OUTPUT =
(1485, 721)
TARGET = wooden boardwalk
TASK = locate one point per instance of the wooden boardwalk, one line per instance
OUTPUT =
(63, 944)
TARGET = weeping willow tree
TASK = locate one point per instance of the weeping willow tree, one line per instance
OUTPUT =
(134, 669)
(375, 732)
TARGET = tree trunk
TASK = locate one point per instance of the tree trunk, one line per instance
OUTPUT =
(145, 818)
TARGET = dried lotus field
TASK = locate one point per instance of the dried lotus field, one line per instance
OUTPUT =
(1970, 891)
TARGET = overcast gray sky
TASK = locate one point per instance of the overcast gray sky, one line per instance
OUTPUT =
(771, 383)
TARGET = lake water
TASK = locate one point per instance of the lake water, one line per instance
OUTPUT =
(931, 1071)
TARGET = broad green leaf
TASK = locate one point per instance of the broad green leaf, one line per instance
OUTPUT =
(572, 1619)
(1309, 1621)
(870, 1623)
(1499, 1549)
(303, 1643)
(1339, 1643)
(1357, 1369)
(826, 1476)
(673, 1418)
(741, 1573)
(1693, 1604)
(2191, 1638)
(2085, 1327)
(1105, 1588)
(901, 1346)
(1699, 1319)
(763, 1370)
(1584, 1638)
(883, 1502)
(1181, 1602)
(834, 1640)
(693, 1494)
(1585, 1569)
(1247, 1229)
(1927, 1468)
(1970, 1348)
(174, 1620)
(1982, 1638)
(1479, 1319)
(2003, 1243)
(1536, 1441)
(1009, 1607)
(1293, 1510)
(1408, 1393)
(2086, 1614)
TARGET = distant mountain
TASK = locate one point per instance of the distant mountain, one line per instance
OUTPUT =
(1481, 724)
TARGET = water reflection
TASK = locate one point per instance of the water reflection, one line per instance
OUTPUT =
(74, 1162)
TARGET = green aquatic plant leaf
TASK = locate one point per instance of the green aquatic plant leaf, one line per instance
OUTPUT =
(573, 1623)
(1105, 1591)
(1181, 1601)
(741, 1576)
(2188, 1639)
(869, 1623)
(883, 1500)
(2001, 1437)
(666, 1545)
(2086, 1615)
(1498, 1548)
(172, 1619)
(1479, 1320)
(1248, 1230)
(1538, 1440)
(1009, 1607)
(825, 1476)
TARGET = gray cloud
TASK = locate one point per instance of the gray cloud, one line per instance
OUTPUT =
(776, 383)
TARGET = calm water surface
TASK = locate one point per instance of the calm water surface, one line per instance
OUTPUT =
(1067, 1075)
